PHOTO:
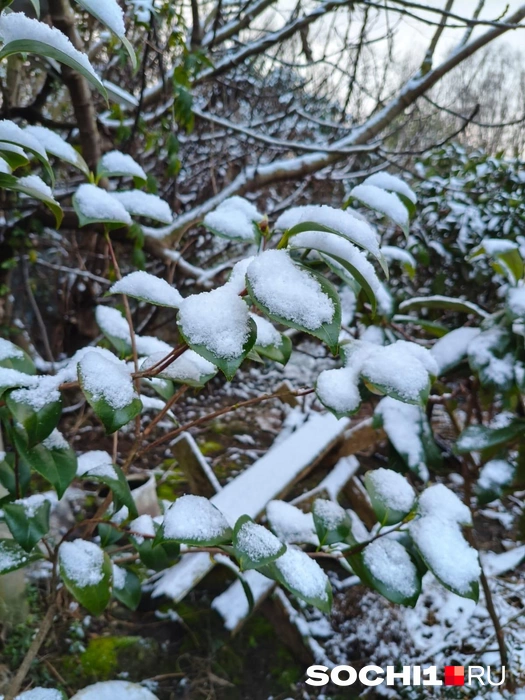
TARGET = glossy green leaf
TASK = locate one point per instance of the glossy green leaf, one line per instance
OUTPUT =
(278, 353)
(13, 155)
(42, 49)
(119, 487)
(10, 182)
(131, 592)
(39, 423)
(154, 554)
(27, 523)
(328, 332)
(56, 465)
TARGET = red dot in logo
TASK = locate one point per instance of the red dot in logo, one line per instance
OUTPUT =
(454, 675)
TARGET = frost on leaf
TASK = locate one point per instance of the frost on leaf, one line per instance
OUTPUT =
(194, 520)
(95, 205)
(96, 463)
(86, 570)
(141, 285)
(235, 218)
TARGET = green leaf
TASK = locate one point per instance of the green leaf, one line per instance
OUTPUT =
(327, 332)
(42, 49)
(385, 513)
(195, 521)
(28, 523)
(495, 480)
(37, 423)
(10, 182)
(13, 557)
(228, 366)
(402, 592)
(13, 155)
(131, 592)
(36, 5)
(332, 523)
(302, 576)
(438, 330)
(58, 465)
(119, 487)
(122, 218)
(354, 271)
(154, 555)
(442, 302)
(94, 389)
(254, 545)
(476, 438)
(129, 48)
(94, 596)
(14, 357)
(506, 261)
(313, 226)
(278, 353)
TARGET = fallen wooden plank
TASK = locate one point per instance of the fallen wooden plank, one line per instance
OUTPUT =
(268, 478)
(201, 478)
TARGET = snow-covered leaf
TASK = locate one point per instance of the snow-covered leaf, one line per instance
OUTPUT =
(37, 410)
(451, 349)
(303, 577)
(477, 438)
(217, 325)
(115, 328)
(384, 202)
(109, 13)
(53, 459)
(344, 253)
(145, 287)
(495, 479)
(254, 545)
(148, 206)
(97, 465)
(387, 567)
(13, 357)
(126, 587)
(189, 368)
(391, 183)
(13, 557)
(447, 554)
(194, 520)
(13, 139)
(28, 520)
(341, 223)
(115, 690)
(490, 355)
(438, 301)
(33, 186)
(505, 255)
(410, 434)
(94, 205)
(108, 387)
(403, 257)
(338, 390)
(332, 523)
(24, 35)
(391, 495)
(270, 343)
(117, 164)
(292, 295)
(235, 218)
(290, 524)
(56, 146)
(87, 572)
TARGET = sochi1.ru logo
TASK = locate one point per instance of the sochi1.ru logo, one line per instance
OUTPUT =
(410, 675)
